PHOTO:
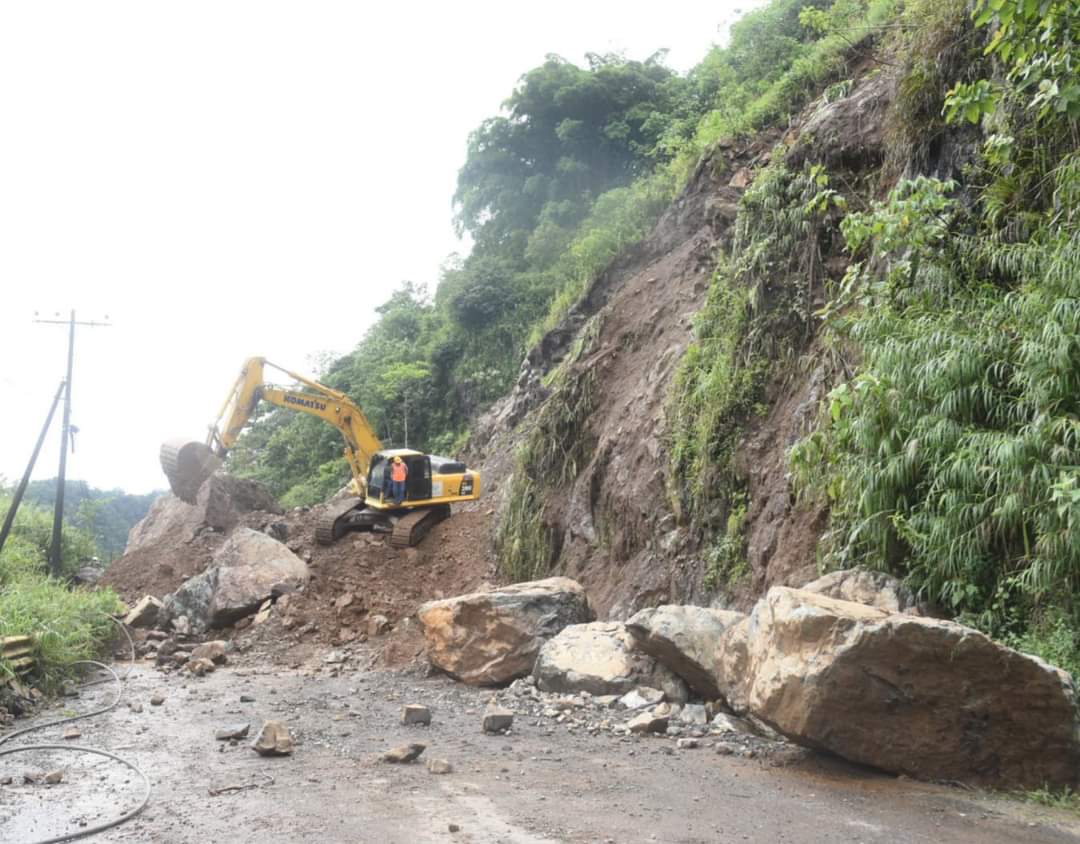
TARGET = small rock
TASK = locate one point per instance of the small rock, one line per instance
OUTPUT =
(247, 699)
(439, 766)
(651, 721)
(377, 625)
(232, 731)
(72, 733)
(32, 776)
(264, 612)
(497, 718)
(454, 827)
(404, 753)
(144, 613)
(687, 743)
(6, 780)
(156, 699)
(414, 713)
(640, 697)
(213, 651)
(199, 667)
(344, 600)
(54, 777)
(181, 625)
(694, 714)
(334, 658)
(273, 740)
(137, 708)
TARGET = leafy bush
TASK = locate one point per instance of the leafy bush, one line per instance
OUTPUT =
(67, 624)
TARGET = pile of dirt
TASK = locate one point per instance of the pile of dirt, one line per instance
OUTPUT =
(354, 581)
(361, 578)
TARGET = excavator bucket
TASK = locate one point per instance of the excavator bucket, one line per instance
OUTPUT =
(187, 465)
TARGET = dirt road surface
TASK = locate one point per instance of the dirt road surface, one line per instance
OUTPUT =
(541, 783)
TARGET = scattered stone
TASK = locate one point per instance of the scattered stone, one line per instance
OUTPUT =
(247, 699)
(72, 733)
(181, 625)
(157, 635)
(144, 613)
(156, 699)
(601, 658)
(137, 708)
(213, 651)
(497, 719)
(654, 720)
(264, 612)
(334, 658)
(344, 601)
(414, 713)
(377, 625)
(694, 714)
(724, 723)
(439, 766)
(687, 743)
(404, 753)
(33, 775)
(490, 638)
(232, 731)
(453, 827)
(273, 739)
(640, 697)
(199, 667)
(684, 638)
(54, 777)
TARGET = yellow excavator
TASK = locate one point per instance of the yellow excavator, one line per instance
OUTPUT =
(432, 485)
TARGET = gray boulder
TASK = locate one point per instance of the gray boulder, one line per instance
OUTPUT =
(685, 639)
(247, 570)
(924, 697)
(490, 638)
(601, 658)
(873, 588)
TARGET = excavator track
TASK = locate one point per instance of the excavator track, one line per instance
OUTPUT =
(411, 529)
(331, 525)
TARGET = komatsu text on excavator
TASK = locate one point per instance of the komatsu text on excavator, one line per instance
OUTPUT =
(433, 482)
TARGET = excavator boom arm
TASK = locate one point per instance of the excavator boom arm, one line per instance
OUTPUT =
(189, 464)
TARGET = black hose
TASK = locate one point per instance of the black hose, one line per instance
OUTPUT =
(70, 836)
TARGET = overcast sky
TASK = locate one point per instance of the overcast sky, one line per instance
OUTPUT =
(228, 179)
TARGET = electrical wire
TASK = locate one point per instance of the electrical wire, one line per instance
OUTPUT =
(72, 748)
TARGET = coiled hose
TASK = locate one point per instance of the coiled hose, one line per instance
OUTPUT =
(72, 748)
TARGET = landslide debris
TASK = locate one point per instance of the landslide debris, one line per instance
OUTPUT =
(353, 590)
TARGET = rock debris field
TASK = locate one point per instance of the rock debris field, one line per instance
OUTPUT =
(555, 775)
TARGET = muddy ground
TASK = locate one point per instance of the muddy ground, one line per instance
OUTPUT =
(541, 783)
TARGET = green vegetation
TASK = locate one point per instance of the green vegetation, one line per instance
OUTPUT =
(67, 624)
(952, 456)
(107, 515)
(756, 315)
(575, 170)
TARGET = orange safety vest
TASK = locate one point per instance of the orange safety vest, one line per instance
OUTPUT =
(398, 472)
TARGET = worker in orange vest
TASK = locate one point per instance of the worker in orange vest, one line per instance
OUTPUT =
(398, 473)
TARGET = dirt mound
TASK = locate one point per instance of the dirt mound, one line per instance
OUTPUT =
(361, 577)
(353, 581)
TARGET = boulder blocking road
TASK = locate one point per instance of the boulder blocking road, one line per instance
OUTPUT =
(544, 781)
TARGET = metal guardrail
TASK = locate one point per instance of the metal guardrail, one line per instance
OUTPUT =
(18, 652)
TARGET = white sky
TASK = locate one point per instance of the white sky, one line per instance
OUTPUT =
(227, 179)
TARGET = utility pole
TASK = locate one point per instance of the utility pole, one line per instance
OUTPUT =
(9, 520)
(65, 435)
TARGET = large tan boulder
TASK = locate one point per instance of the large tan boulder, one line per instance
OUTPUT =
(732, 666)
(490, 638)
(873, 588)
(685, 639)
(247, 570)
(601, 658)
(924, 697)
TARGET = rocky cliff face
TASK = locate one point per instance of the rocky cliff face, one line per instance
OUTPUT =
(614, 525)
